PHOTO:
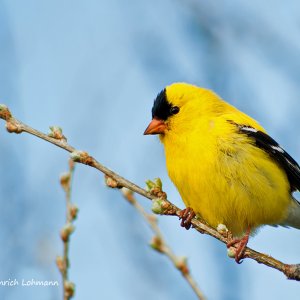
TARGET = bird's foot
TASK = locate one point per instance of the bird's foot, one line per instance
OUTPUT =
(240, 246)
(186, 216)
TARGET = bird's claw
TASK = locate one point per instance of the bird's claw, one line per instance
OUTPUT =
(186, 216)
(240, 247)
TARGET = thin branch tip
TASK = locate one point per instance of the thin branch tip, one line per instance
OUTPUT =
(4, 112)
(158, 243)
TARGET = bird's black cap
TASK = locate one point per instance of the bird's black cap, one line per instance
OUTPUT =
(161, 108)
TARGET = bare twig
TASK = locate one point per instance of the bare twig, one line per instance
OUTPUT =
(71, 214)
(158, 243)
(167, 208)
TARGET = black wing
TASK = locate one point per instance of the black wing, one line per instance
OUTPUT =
(270, 146)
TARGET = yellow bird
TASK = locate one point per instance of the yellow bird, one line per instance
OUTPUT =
(224, 165)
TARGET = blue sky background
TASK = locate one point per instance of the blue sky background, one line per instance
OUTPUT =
(94, 68)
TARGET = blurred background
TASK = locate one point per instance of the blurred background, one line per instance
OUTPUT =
(94, 68)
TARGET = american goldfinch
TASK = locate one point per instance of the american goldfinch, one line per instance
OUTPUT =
(227, 169)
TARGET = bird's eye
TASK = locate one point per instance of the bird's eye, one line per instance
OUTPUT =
(174, 110)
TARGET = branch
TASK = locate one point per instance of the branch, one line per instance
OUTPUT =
(166, 208)
(71, 214)
(158, 243)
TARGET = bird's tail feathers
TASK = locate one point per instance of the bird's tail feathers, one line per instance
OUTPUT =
(293, 217)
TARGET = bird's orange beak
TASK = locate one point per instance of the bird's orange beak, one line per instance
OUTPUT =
(156, 126)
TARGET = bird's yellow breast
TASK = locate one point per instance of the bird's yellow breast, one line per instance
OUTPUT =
(222, 175)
